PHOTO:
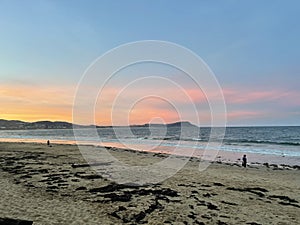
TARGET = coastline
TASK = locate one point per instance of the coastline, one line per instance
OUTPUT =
(226, 157)
(44, 185)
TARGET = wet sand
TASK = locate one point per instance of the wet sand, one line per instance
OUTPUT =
(53, 185)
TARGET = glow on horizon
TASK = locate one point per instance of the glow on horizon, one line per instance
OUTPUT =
(33, 103)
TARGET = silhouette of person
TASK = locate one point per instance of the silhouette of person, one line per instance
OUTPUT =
(48, 142)
(244, 161)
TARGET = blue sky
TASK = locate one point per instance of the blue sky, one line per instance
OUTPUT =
(252, 47)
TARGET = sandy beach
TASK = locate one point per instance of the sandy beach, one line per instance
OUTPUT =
(53, 185)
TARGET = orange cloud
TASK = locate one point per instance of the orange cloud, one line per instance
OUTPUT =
(31, 103)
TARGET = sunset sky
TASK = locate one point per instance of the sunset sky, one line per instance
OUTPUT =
(251, 46)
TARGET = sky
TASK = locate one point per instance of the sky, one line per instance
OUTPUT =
(252, 48)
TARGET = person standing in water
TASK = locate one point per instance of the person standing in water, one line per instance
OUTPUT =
(244, 161)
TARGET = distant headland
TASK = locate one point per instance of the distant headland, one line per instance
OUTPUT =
(21, 125)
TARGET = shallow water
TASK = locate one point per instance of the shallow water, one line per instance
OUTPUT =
(280, 145)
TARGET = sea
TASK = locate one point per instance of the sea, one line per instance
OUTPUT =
(274, 145)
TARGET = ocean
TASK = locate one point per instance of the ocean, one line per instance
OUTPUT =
(278, 145)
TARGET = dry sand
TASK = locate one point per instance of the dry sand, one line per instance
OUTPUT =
(47, 185)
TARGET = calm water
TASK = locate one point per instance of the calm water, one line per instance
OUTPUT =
(261, 144)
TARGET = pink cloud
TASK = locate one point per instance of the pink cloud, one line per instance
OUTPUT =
(244, 96)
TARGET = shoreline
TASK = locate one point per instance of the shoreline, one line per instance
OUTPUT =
(255, 158)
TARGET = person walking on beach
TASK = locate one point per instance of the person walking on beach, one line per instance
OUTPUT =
(244, 161)
(48, 143)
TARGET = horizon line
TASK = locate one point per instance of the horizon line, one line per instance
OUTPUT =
(198, 125)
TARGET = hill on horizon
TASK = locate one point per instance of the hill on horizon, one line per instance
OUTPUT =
(21, 125)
